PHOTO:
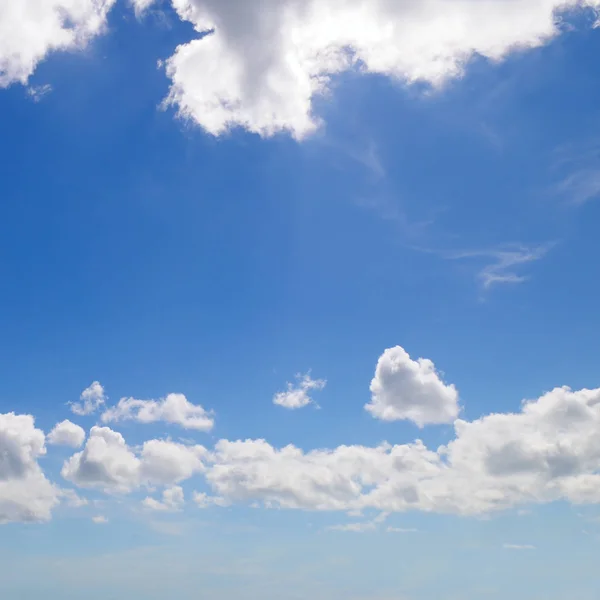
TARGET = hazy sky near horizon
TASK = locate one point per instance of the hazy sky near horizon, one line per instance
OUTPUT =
(299, 299)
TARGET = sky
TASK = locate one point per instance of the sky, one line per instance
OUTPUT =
(299, 299)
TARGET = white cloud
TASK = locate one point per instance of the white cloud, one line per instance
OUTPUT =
(175, 409)
(261, 64)
(37, 92)
(173, 500)
(91, 399)
(108, 463)
(140, 6)
(518, 547)
(354, 527)
(406, 389)
(297, 396)
(30, 29)
(401, 530)
(72, 499)
(548, 451)
(25, 493)
(67, 433)
(100, 520)
(505, 262)
(203, 500)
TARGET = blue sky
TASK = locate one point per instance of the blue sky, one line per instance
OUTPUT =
(245, 285)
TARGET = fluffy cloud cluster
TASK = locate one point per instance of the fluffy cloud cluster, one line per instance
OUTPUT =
(298, 396)
(91, 399)
(548, 451)
(25, 493)
(109, 464)
(175, 409)
(259, 65)
(406, 389)
(30, 29)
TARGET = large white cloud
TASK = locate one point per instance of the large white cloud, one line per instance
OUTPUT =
(25, 493)
(548, 451)
(30, 29)
(175, 409)
(262, 63)
(67, 433)
(108, 463)
(406, 389)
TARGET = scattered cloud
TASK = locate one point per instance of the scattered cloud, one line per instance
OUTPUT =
(175, 409)
(37, 92)
(25, 493)
(401, 530)
(67, 433)
(91, 399)
(412, 390)
(297, 396)
(108, 463)
(72, 499)
(505, 262)
(100, 520)
(518, 547)
(260, 67)
(173, 500)
(361, 527)
(203, 500)
(30, 30)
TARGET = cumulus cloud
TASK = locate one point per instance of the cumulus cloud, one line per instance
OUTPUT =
(548, 451)
(173, 500)
(108, 463)
(174, 409)
(25, 493)
(30, 29)
(67, 433)
(91, 399)
(518, 547)
(259, 66)
(298, 396)
(412, 390)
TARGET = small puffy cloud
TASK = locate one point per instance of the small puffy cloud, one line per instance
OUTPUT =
(30, 30)
(100, 520)
(203, 500)
(412, 390)
(175, 409)
(260, 65)
(354, 527)
(172, 500)
(298, 396)
(91, 399)
(25, 493)
(108, 463)
(67, 433)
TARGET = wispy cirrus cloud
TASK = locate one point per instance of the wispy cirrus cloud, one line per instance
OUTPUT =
(503, 264)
